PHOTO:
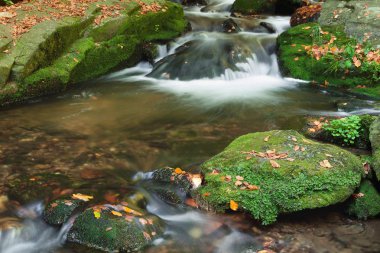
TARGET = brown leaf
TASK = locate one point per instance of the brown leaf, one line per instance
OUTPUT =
(238, 183)
(325, 164)
(290, 159)
(240, 178)
(253, 187)
(274, 164)
(296, 148)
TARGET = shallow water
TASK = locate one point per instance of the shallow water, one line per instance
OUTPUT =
(188, 108)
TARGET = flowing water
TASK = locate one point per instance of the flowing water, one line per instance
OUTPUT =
(205, 89)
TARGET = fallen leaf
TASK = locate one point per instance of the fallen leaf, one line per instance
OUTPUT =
(81, 196)
(116, 213)
(296, 148)
(178, 171)
(290, 159)
(366, 168)
(238, 183)
(54, 205)
(266, 138)
(108, 229)
(233, 205)
(97, 214)
(306, 28)
(191, 202)
(253, 187)
(296, 59)
(129, 210)
(274, 164)
(228, 178)
(240, 178)
(294, 139)
(206, 194)
(325, 164)
(328, 155)
(358, 195)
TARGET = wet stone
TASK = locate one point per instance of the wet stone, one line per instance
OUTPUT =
(230, 26)
(59, 211)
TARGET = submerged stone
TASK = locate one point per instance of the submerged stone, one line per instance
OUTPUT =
(59, 211)
(275, 172)
(110, 230)
(366, 203)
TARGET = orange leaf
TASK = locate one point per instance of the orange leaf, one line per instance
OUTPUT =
(296, 148)
(116, 213)
(178, 171)
(274, 164)
(233, 205)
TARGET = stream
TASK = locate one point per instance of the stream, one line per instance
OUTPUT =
(205, 89)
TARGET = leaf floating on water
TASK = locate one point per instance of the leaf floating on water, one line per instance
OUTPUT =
(267, 138)
(233, 205)
(274, 164)
(325, 164)
(116, 213)
(97, 214)
(81, 196)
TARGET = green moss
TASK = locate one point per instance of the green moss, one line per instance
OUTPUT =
(111, 232)
(59, 211)
(374, 136)
(368, 205)
(155, 26)
(296, 185)
(295, 61)
(254, 6)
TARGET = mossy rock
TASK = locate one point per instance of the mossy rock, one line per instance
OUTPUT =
(297, 63)
(112, 233)
(366, 203)
(265, 6)
(168, 175)
(374, 136)
(59, 211)
(27, 188)
(306, 182)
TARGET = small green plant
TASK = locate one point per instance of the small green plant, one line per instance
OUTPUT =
(7, 2)
(347, 129)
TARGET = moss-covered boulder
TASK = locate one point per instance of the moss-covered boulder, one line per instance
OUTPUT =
(110, 229)
(374, 137)
(360, 19)
(366, 202)
(265, 6)
(275, 172)
(76, 46)
(59, 211)
(326, 55)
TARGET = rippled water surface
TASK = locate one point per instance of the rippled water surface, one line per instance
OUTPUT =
(205, 89)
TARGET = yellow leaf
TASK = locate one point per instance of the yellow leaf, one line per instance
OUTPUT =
(129, 210)
(233, 205)
(306, 28)
(97, 214)
(81, 196)
(266, 138)
(116, 213)
(274, 164)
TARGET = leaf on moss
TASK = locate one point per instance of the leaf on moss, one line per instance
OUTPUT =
(325, 164)
(233, 205)
(274, 164)
(81, 196)
(97, 214)
(116, 213)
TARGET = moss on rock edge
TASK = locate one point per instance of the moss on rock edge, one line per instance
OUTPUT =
(368, 205)
(296, 185)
